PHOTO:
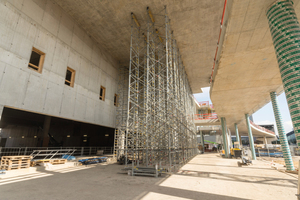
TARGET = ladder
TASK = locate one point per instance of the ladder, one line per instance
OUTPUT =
(116, 147)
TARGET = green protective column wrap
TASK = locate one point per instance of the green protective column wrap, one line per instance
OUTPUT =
(250, 136)
(224, 128)
(285, 31)
(282, 137)
(237, 134)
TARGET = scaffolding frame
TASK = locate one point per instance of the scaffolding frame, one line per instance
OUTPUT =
(157, 128)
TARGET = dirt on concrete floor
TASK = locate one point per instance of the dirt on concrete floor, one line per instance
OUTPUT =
(281, 160)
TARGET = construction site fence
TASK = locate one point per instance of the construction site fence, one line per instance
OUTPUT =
(79, 151)
(273, 151)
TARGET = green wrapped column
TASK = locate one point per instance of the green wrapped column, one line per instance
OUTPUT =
(285, 31)
(224, 128)
(237, 134)
(282, 137)
(250, 136)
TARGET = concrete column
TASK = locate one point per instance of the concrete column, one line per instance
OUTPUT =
(229, 140)
(224, 128)
(237, 134)
(46, 128)
(282, 136)
(266, 142)
(202, 141)
(1, 111)
(285, 29)
(251, 142)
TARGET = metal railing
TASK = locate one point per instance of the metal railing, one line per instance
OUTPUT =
(54, 153)
(268, 152)
(205, 103)
(206, 116)
(261, 128)
(79, 151)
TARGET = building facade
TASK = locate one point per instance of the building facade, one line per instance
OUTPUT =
(50, 66)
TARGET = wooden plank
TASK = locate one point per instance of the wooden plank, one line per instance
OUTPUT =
(15, 157)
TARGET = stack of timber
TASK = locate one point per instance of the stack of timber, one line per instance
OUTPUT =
(51, 161)
(15, 162)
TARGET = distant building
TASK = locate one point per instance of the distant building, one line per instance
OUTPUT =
(268, 126)
(291, 138)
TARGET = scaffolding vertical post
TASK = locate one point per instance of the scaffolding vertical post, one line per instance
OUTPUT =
(158, 123)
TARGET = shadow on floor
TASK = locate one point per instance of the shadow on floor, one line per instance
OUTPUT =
(230, 166)
(240, 178)
(94, 182)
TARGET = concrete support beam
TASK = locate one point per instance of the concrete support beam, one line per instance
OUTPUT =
(251, 142)
(282, 136)
(46, 128)
(224, 128)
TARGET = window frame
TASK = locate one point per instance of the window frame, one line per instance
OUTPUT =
(103, 93)
(72, 77)
(41, 62)
(116, 97)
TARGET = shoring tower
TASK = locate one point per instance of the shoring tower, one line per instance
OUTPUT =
(156, 107)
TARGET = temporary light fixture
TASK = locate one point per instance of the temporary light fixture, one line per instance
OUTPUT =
(84, 135)
(150, 14)
(22, 136)
(84, 140)
(68, 136)
(35, 136)
(106, 135)
(135, 20)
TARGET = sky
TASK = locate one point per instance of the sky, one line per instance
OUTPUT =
(264, 115)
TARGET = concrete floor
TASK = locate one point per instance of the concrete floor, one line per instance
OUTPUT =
(204, 177)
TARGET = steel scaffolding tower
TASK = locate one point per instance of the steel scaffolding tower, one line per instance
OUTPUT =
(121, 117)
(158, 126)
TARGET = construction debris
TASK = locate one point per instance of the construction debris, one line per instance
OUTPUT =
(92, 160)
(53, 162)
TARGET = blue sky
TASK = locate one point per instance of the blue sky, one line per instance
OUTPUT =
(264, 115)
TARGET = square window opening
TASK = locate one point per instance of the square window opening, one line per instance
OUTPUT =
(70, 77)
(36, 60)
(116, 100)
(102, 93)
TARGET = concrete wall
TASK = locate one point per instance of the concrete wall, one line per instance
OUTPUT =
(43, 24)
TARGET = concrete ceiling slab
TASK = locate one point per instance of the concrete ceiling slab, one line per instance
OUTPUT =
(248, 70)
(195, 24)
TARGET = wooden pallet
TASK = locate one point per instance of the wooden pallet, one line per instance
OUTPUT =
(15, 162)
(16, 157)
(53, 161)
(10, 164)
(7, 168)
(58, 161)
